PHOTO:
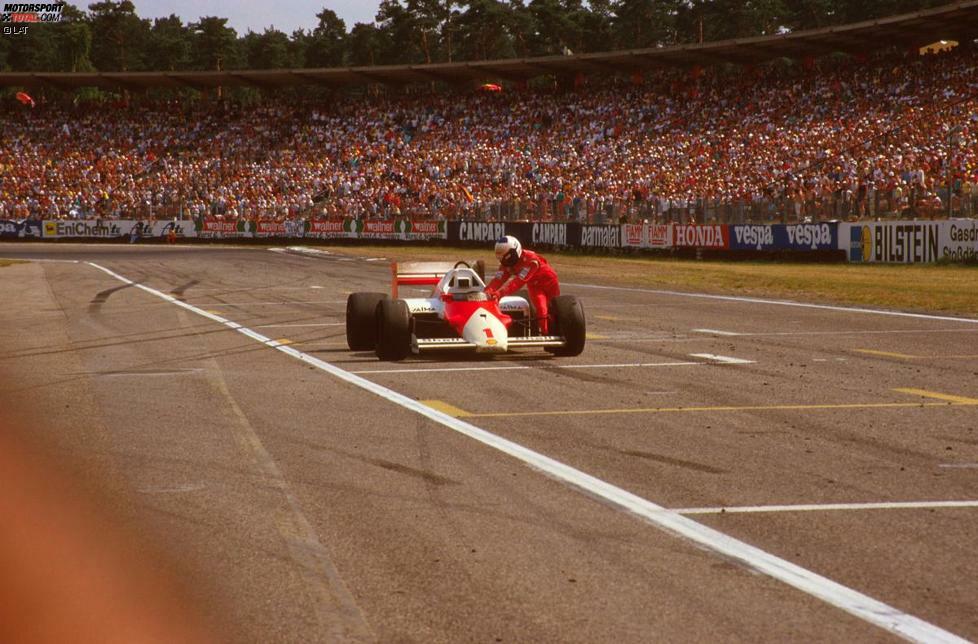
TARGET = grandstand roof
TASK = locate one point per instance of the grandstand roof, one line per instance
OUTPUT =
(956, 21)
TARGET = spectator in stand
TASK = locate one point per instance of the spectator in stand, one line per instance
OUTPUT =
(852, 138)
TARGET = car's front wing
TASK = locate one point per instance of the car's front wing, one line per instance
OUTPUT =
(428, 344)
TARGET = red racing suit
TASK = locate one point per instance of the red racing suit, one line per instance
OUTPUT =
(540, 279)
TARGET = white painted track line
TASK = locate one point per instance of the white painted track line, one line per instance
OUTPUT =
(827, 507)
(282, 326)
(756, 300)
(765, 334)
(715, 332)
(834, 593)
(721, 359)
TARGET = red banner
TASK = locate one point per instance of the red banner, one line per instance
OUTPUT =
(216, 226)
(378, 227)
(326, 227)
(270, 228)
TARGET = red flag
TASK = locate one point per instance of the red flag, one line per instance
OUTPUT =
(25, 98)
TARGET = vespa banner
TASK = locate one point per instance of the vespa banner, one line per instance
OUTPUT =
(773, 237)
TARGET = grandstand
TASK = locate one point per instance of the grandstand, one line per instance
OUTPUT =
(675, 136)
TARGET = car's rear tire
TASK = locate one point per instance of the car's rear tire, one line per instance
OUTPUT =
(361, 328)
(568, 313)
(393, 324)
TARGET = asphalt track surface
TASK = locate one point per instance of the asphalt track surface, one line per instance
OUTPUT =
(662, 486)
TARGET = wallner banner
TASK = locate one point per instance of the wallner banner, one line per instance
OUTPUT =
(769, 237)
(911, 242)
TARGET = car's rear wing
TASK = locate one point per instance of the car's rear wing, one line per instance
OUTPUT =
(425, 273)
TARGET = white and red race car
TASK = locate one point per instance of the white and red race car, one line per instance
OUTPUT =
(457, 315)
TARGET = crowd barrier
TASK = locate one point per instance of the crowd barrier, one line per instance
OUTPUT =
(865, 242)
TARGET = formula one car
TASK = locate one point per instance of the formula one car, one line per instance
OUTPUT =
(456, 316)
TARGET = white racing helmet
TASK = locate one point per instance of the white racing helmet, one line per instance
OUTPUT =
(508, 250)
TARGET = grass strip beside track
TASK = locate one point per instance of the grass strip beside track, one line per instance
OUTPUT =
(923, 288)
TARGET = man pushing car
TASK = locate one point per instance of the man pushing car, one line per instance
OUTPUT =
(519, 267)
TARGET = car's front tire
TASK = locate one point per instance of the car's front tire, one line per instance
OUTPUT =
(393, 324)
(361, 329)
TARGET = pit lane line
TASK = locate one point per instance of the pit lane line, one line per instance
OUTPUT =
(847, 599)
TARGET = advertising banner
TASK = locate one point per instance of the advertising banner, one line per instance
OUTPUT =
(784, 237)
(910, 242)
(824, 236)
(634, 236)
(959, 240)
(421, 229)
(109, 228)
(660, 235)
(476, 231)
(270, 229)
(379, 229)
(218, 229)
(333, 229)
(10, 229)
(701, 236)
(550, 234)
(183, 228)
(600, 236)
(87, 228)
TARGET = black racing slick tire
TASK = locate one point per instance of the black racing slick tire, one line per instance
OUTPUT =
(393, 320)
(569, 316)
(361, 328)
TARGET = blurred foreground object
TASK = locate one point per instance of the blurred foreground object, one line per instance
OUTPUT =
(70, 573)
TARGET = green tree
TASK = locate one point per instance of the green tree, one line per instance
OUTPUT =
(556, 27)
(484, 30)
(328, 42)
(644, 23)
(396, 26)
(215, 45)
(120, 36)
(365, 44)
(725, 19)
(267, 50)
(169, 44)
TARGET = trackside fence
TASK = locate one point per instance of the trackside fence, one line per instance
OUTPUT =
(906, 242)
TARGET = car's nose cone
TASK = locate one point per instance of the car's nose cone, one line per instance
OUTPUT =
(486, 332)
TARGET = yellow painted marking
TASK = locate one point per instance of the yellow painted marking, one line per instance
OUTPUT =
(444, 407)
(595, 336)
(610, 318)
(955, 400)
(886, 354)
(213, 312)
(666, 410)
(283, 341)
